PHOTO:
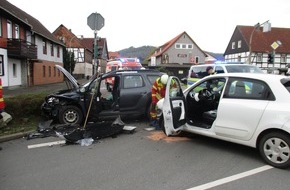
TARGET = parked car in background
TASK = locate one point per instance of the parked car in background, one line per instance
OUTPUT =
(130, 96)
(197, 72)
(243, 108)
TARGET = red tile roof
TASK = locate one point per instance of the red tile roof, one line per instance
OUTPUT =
(262, 41)
(160, 50)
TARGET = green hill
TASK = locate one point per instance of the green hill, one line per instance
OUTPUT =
(142, 52)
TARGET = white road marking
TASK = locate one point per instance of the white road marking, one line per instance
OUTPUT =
(46, 144)
(231, 178)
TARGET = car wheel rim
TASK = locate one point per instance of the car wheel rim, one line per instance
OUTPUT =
(277, 150)
(70, 116)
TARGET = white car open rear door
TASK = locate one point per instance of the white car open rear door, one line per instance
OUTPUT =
(173, 107)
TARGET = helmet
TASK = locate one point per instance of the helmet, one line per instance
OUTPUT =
(164, 79)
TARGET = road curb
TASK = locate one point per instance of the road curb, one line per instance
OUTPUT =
(14, 136)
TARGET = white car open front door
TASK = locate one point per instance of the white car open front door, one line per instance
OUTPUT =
(173, 107)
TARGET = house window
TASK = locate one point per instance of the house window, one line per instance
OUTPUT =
(196, 59)
(49, 71)
(233, 45)
(239, 58)
(51, 50)
(283, 58)
(0, 27)
(189, 46)
(177, 46)
(1, 65)
(16, 35)
(9, 29)
(239, 43)
(44, 47)
(58, 51)
(183, 46)
(43, 71)
(259, 58)
(14, 70)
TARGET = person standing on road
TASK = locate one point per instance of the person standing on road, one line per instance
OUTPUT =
(158, 92)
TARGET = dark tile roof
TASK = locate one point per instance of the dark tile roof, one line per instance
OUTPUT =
(262, 41)
(24, 17)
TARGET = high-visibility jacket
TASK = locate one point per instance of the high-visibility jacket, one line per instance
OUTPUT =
(2, 104)
(158, 91)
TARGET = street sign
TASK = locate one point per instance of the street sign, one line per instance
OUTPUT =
(96, 21)
(275, 45)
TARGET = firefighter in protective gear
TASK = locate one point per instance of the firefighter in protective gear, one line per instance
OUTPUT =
(157, 93)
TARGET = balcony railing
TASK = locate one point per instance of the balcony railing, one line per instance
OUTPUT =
(21, 49)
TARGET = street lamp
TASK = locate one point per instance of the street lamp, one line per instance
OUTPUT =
(257, 27)
(71, 51)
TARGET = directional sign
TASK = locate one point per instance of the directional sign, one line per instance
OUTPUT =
(275, 45)
(96, 21)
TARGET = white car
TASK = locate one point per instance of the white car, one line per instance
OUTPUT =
(244, 108)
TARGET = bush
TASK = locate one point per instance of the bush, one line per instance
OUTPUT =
(24, 106)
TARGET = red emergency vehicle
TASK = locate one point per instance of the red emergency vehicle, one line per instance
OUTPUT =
(121, 64)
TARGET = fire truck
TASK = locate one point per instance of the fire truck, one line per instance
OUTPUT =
(121, 64)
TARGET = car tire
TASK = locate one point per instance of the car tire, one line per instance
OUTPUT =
(275, 149)
(70, 115)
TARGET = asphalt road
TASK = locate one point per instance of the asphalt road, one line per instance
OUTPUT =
(144, 160)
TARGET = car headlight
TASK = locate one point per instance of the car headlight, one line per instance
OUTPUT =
(52, 100)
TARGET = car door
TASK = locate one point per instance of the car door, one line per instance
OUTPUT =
(174, 108)
(134, 93)
(93, 100)
(241, 108)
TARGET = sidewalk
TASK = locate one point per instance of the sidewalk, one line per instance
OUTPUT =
(47, 88)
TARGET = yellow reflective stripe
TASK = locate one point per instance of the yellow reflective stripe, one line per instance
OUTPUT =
(1, 99)
(158, 96)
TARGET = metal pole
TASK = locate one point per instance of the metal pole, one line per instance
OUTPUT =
(250, 43)
(95, 52)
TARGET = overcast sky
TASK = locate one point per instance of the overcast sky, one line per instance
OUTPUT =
(210, 23)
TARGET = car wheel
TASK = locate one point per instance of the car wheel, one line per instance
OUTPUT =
(275, 149)
(70, 115)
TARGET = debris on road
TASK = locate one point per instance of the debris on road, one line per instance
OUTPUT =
(84, 136)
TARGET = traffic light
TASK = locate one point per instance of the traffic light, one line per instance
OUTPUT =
(100, 51)
(270, 58)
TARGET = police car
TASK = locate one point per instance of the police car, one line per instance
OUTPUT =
(197, 72)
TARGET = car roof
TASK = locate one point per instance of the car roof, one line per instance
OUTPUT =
(222, 64)
(132, 71)
(260, 76)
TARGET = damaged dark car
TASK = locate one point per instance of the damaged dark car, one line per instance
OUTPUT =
(125, 93)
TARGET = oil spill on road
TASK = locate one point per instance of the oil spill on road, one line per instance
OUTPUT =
(159, 135)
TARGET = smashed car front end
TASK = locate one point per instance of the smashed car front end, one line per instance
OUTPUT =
(53, 103)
